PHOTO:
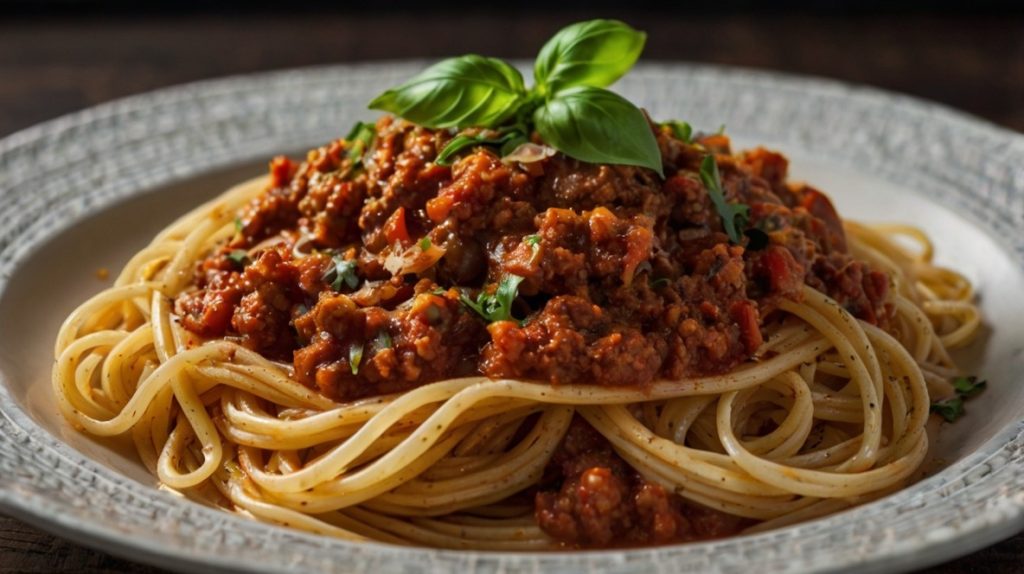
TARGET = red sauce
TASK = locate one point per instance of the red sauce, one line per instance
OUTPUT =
(627, 278)
(630, 277)
(598, 500)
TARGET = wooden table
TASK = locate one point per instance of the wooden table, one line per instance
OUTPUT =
(51, 66)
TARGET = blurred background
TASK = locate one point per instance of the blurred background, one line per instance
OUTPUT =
(60, 56)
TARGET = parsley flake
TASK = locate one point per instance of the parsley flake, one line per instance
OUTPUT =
(497, 306)
(341, 272)
(382, 340)
(355, 356)
(359, 139)
(240, 257)
(733, 215)
(952, 408)
(682, 131)
(533, 241)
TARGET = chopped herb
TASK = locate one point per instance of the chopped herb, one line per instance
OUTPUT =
(439, 291)
(659, 282)
(341, 272)
(968, 387)
(533, 241)
(953, 408)
(424, 244)
(681, 130)
(359, 138)
(240, 257)
(721, 130)
(239, 226)
(383, 340)
(949, 409)
(734, 215)
(756, 239)
(355, 356)
(496, 307)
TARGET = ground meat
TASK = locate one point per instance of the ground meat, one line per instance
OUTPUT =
(597, 500)
(359, 267)
(572, 340)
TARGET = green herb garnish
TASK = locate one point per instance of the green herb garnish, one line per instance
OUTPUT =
(355, 356)
(382, 340)
(240, 257)
(733, 215)
(953, 408)
(533, 241)
(341, 272)
(359, 139)
(568, 104)
(424, 244)
(659, 282)
(496, 307)
(239, 226)
(968, 387)
(681, 130)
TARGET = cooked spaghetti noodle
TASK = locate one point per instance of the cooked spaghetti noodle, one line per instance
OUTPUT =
(827, 412)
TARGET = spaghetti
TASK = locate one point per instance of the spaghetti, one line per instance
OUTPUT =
(828, 411)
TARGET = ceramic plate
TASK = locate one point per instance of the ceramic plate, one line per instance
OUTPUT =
(85, 191)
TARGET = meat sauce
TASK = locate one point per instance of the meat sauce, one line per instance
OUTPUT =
(357, 269)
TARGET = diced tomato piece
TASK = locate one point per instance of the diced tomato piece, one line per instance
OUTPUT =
(394, 228)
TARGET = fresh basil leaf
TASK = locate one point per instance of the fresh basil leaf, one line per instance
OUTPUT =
(598, 126)
(240, 257)
(681, 130)
(355, 356)
(497, 306)
(465, 91)
(968, 387)
(341, 272)
(949, 409)
(733, 215)
(359, 139)
(461, 142)
(593, 53)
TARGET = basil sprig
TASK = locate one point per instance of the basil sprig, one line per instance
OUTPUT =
(568, 104)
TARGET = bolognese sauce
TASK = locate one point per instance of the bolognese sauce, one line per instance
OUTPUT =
(363, 272)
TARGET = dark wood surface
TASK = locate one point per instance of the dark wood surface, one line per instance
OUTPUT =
(50, 66)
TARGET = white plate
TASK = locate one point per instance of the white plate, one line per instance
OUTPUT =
(85, 191)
